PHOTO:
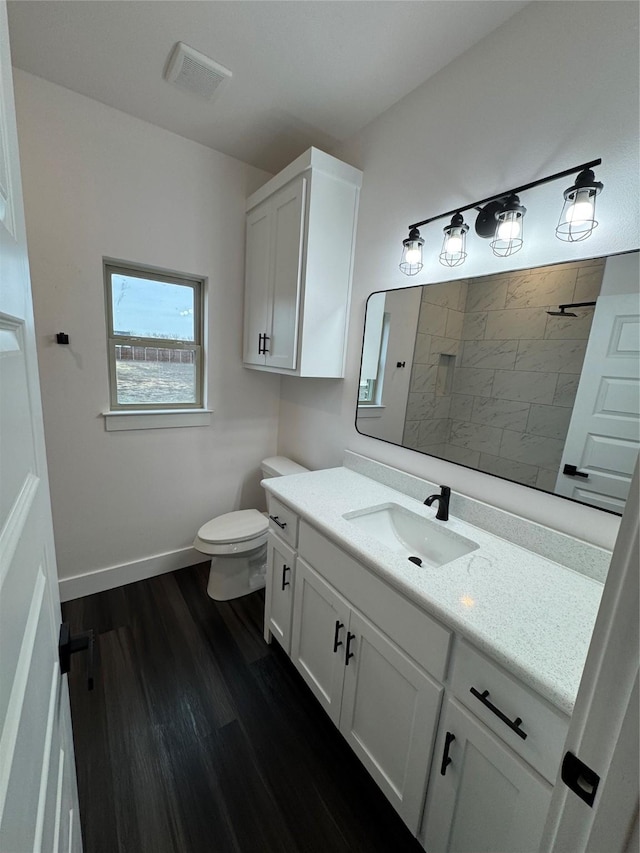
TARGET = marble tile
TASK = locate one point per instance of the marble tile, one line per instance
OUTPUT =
(552, 421)
(532, 449)
(485, 439)
(473, 326)
(433, 431)
(540, 288)
(438, 450)
(522, 385)
(551, 356)
(410, 435)
(432, 319)
(518, 471)
(462, 300)
(500, 355)
(419, 405)
(504, 414)
(442, 346)
(569, 328)
(476, 381)
(566, 389)
(516, 324)
(422, 349)
(461, 407)
(461, 455)
(446, 294)
(489, 294)
(444, 375)
(588, 283)
(546, 479)
(454, 324)
(423, 377)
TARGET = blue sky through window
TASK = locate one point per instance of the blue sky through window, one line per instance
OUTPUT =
(152, 309)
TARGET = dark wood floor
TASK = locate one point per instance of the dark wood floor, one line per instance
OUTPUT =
(200, 738)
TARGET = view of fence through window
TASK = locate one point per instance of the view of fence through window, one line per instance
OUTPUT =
(154, 338)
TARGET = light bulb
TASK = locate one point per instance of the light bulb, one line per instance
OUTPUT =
(413, 255)
(508, 229)
(453, 244)
(581, 211)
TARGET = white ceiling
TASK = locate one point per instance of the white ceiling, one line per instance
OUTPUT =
(305, 72)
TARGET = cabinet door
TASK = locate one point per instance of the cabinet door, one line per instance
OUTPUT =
(256, 288)
(489, 800)
(287, 237)
(389, 716)
(320, 625)
(279, 591)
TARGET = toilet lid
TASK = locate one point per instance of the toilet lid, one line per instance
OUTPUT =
(234, 526)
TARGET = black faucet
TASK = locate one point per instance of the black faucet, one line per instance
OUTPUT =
(443, 503)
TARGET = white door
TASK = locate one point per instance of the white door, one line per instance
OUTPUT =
(38, 797)
(604, 433)
(256, 283)
(482, 797)
(389, 715)
(279, 591)
(287, 234)
(320, 629)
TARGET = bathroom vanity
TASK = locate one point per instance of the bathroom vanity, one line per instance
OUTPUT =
(455, 678)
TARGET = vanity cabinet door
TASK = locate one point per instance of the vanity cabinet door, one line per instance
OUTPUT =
(482, 798)
(389, 716)
(320, 626)
(281, 568)
(256, 288)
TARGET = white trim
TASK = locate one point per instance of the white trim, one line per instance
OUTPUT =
(370, 411)
(56, 830)
(15, 523)
(156, 419)
(46, 762)
(112, 576)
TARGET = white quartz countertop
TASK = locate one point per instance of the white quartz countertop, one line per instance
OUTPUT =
(533, 616)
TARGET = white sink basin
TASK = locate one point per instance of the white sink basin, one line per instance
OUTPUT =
(411, 535)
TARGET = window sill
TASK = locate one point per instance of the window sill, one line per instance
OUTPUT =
(156, 419)
(371, 411)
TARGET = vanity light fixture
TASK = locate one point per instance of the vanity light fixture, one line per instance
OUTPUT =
(500, 218)
(411, 261)
(454, 244)
(578, 217)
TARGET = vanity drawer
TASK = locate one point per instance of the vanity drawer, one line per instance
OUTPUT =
(420, 636)
(283, 521)
(507, 700)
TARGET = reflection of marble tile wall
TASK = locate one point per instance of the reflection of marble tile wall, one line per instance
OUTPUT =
(515, 372)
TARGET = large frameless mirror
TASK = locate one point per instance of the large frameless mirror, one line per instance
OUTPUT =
(532, 375)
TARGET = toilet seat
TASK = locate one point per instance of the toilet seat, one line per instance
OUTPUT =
(233, 533)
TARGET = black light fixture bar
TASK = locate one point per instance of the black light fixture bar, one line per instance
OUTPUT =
(516, 190)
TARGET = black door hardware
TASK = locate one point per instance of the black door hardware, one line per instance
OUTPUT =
(260, 351)
(62, 338)
(275, 519)
(572, 471)
(446, 760)
(349, 653)
(336, 642)
(285, 582)
(582, 780)
(69, 645)
(262, 344)
(400, 363)
(514, 725)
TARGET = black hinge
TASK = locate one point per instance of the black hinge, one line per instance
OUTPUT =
(68, 645)
(582, 780)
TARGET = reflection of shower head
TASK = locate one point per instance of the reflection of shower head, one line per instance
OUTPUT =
(563, 309)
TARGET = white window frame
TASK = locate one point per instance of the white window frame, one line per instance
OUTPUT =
(113, 267)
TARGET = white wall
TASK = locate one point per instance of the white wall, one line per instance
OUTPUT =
(100, 183)
(557, 85)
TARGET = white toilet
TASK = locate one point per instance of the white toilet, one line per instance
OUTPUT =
(237, 542)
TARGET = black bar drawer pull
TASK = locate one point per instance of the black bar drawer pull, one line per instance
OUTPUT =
(514, 725)
(336, 642)
(349, 654)
(285, 582)
(572, 471)
(276, 520)
(446, 760)
(260, 350)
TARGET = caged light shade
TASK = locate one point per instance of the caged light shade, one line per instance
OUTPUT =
(411, 260)
(454, 244)
(578, 217)
(508, 237)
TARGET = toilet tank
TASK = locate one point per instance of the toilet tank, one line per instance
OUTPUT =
(280, 466)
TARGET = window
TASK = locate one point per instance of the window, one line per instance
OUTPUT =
(154, 330)
(374, 352)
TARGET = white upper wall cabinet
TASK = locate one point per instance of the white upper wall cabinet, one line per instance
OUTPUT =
(299, 261)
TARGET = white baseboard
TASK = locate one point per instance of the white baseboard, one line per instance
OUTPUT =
(112, 576)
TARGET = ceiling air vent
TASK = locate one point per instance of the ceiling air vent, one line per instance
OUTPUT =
(195, 72)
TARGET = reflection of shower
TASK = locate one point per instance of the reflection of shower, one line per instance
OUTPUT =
(563, 309)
